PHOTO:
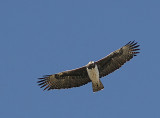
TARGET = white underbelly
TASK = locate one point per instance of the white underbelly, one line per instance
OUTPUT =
(93, 74)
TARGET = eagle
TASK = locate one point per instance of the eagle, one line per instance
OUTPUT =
(92, 72)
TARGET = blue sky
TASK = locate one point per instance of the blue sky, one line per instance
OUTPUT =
(40, 37)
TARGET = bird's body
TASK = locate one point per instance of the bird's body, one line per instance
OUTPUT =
(92, 72)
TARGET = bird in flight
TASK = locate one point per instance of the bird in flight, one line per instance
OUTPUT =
(92, 72)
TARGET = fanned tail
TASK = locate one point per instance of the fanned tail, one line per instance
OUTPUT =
(97, 86)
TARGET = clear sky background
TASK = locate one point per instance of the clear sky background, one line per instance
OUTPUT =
(39, 37)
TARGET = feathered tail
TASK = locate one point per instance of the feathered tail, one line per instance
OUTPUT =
(97, 86)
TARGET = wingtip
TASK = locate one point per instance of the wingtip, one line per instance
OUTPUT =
(132, 42)
(128, 42)
(133, 45)
(44, 76)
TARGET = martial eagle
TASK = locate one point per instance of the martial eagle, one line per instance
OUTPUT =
(92, 72)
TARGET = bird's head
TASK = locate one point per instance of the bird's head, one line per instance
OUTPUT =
(91, 65)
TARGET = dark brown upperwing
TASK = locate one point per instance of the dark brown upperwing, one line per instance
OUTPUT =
(66, 79)
(117, 58)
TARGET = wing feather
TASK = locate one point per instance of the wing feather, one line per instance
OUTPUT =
(66, 79)
(117, 58)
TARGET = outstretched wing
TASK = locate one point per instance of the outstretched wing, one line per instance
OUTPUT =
(117, 58)
(66, 79)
